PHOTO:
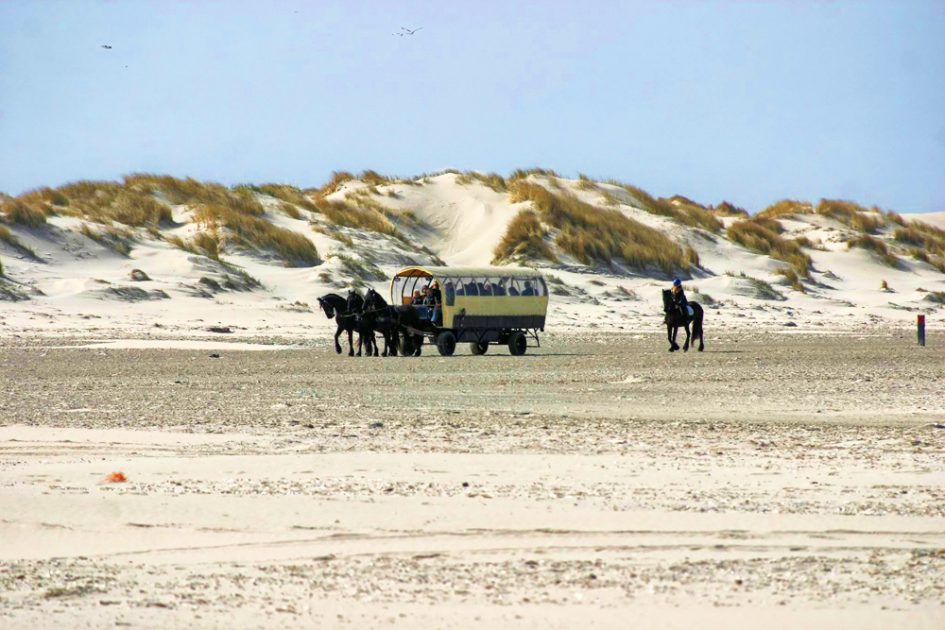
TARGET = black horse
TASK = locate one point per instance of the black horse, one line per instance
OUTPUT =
(409, 341)
(675, 318)
(379, 316)
(345, 313)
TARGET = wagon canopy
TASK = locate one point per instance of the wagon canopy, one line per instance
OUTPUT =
(474, 272)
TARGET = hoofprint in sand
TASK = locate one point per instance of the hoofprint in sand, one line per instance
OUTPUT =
(77, 285)
(792, 480)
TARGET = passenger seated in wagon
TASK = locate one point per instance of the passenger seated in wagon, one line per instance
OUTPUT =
(436, 301)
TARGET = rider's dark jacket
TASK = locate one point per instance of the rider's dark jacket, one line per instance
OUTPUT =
(679, 299)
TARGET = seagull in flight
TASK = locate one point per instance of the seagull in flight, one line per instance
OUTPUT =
(106, 47)
(407, 31)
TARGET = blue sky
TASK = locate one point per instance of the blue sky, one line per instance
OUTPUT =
(745, 101)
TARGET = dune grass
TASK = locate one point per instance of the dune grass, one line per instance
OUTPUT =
(786, 208)
(684, 211)
(253, 232)
(116, 239)
(373, 178)
(756, 237)
(287, 193)
(7, 237)
(24, 214)
(790, 274)
(290, 210)
(523, 173)
(852, 215)
(493, 180)
(936, 261)
(524, 239)
(591, 234)
(870, 243)
(726, 209)
(338, 179)
(922, 235)
(353, 215)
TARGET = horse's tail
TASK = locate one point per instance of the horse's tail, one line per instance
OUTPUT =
(697, 330)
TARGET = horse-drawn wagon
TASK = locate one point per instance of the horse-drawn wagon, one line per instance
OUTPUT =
(480, 306)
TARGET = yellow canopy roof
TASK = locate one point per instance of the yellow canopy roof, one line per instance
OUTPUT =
(474, 272)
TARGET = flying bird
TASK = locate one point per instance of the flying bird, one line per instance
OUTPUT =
(407, 31)
(106, 47)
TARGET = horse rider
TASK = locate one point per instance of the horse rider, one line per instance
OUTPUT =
(679, 298)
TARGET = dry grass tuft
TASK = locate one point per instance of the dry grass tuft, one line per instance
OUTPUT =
(684, 211)
(289, 194)
(360, 212)
(876, 246)
(524, 239)
(25, 214)
(786, 208)
(338, 178)
(8, 237)
(791, 275)
(586, 183)
(289, 210)
(138, 210)
(523, 173)
(726, 209)
(852, 215)
(922, 235)
(252, 232)
(373, 178)
(493, 180)
(755, 236)
(116, 239)
(592, 234)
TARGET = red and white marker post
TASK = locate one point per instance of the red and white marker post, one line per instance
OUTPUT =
(920, 325)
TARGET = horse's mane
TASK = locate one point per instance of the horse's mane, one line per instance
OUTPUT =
(375, 299)
(667, 299)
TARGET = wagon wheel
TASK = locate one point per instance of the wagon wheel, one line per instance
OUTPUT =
(405, 345)
(478, 348)
(518, 343)
(446, 343)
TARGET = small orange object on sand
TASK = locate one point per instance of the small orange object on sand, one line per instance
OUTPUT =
(115, 477)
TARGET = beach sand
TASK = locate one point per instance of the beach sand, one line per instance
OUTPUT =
(786, 480)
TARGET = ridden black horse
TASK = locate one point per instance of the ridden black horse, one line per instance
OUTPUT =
(675, 318)
(345, 313)
(378, 316)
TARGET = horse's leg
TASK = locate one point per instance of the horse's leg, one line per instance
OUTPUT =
(701, 337)
(686, 344)
(351, 342)
(387, 351)
(394, 340)
(670, 333)
(338, 334)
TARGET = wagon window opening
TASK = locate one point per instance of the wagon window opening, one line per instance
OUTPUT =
(500, 286)
(470, 286)
(528, 287)
(541, 287)
(485, 288)
(449, 291)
